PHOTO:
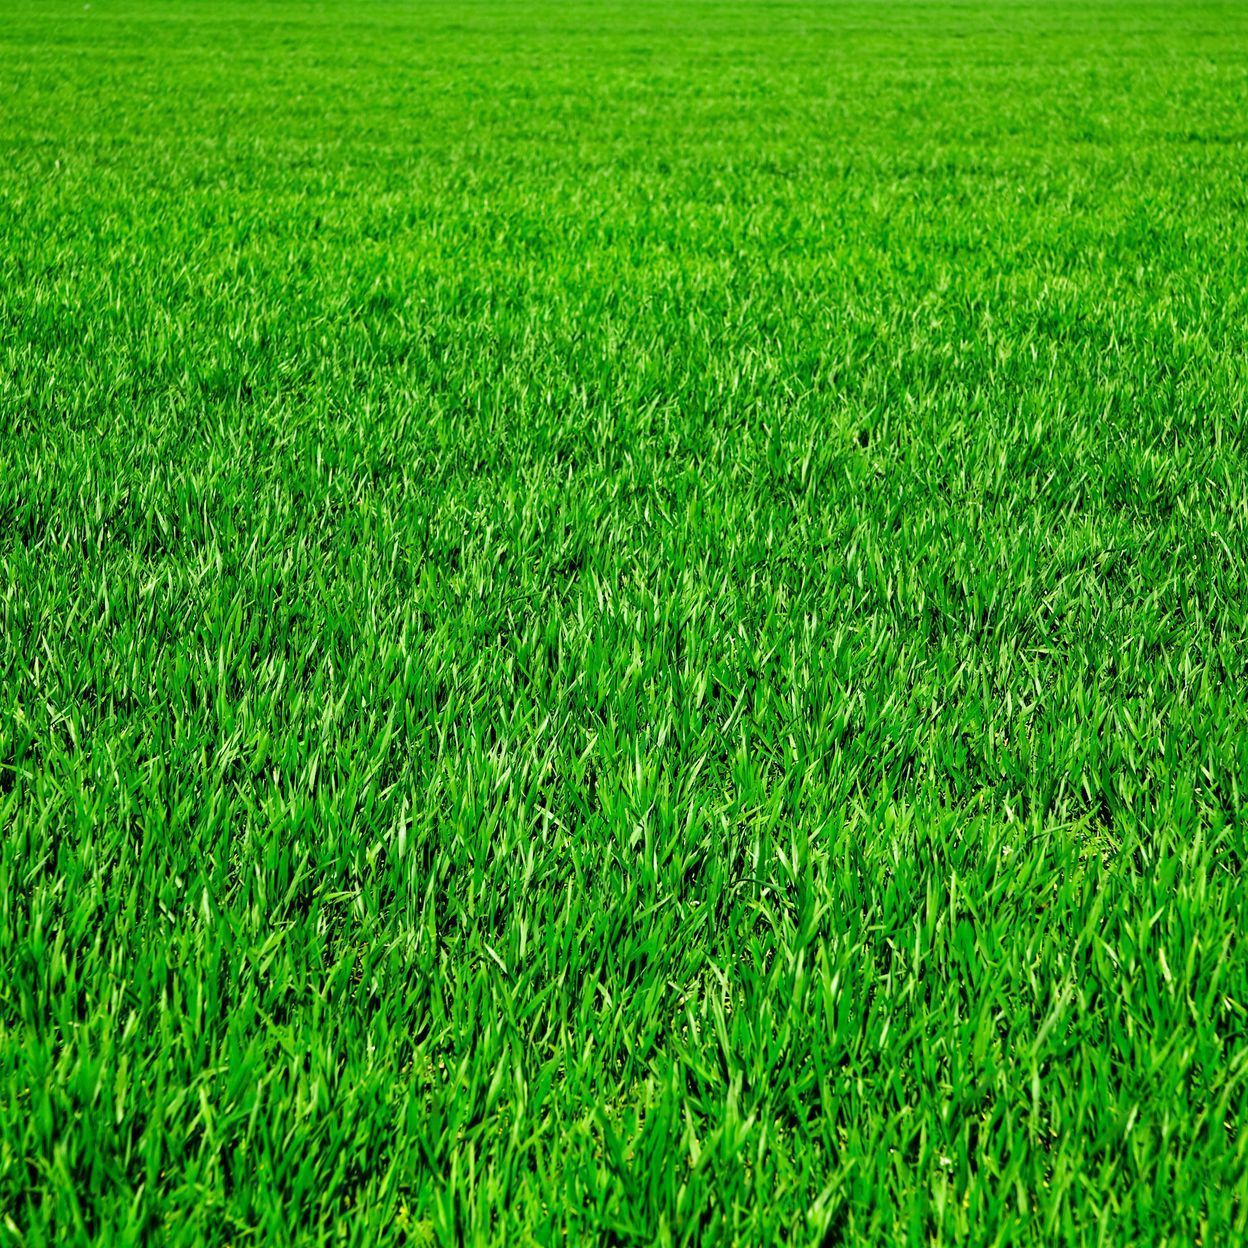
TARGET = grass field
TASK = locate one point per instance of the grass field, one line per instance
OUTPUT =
(623, 623)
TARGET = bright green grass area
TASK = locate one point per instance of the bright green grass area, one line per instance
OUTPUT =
(623, 624)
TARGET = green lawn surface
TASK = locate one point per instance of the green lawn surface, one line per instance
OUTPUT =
(624, 623)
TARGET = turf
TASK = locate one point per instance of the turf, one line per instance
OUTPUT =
(623, 623)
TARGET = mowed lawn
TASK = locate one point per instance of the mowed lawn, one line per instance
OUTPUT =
(623, 623)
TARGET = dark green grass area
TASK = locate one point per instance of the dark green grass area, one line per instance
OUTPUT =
(623, 624)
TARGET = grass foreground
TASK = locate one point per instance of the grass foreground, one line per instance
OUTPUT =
(623, 623)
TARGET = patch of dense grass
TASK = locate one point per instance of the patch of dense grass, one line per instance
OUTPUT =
(623, 623)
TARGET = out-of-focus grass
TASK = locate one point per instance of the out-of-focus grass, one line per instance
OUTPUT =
(623, 623)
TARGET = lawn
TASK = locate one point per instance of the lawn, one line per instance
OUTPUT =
(623, 623)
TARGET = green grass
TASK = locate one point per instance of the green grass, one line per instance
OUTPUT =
(623, 623)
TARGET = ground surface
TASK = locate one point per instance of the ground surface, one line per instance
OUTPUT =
(623, 624)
